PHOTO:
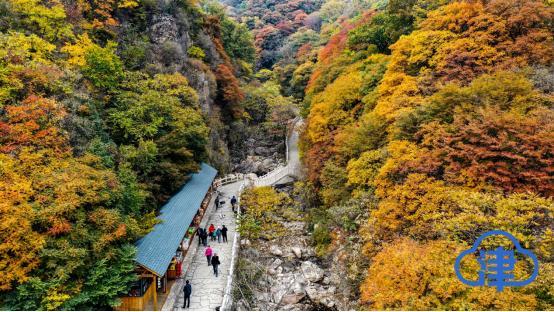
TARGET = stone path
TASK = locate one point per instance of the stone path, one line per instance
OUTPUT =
(207, 290)
(294, 155)
(292, 168)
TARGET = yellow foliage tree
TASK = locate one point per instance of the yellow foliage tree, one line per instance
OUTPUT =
(46, 18)
(407, 275)
(77, 51)
(19, 244)
(332, 108)
(260, 207)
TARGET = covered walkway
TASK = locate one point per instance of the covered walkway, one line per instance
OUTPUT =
(161, 252)
(208, 290)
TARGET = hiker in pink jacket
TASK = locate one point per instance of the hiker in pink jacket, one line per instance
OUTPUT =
(208, 253)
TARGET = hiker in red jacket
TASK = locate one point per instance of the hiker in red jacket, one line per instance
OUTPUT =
(211, 229)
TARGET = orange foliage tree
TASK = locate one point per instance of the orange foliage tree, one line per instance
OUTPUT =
(507, 150)
(229, 88)
(407, 275)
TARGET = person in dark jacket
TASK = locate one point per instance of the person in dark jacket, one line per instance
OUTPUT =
(233, 202)
(224, 233)
(217, 202)
(205, 237)
(188, 291)
(215, 263)
(199, 234)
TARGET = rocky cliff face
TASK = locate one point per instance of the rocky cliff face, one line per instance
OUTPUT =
(258, 152)
(169, 32)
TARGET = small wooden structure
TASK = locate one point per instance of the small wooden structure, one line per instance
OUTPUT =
(160, 252)
(140, 294)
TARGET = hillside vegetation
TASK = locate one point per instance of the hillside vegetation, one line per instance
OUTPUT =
(106, 107)
(428, 123)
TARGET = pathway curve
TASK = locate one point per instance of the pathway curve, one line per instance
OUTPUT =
(292, 168)
(207, 290)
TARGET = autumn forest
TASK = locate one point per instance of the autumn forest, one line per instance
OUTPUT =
(426, 123)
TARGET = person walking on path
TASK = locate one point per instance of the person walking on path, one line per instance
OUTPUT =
(208, 254)
(211, 229)
(233, 202)
(217, 202)
(204, 237)
(215, 264)
(224, 233)
(218, 234)
(199, 234)
(187, 291)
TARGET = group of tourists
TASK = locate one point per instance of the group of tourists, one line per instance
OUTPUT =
(213, 233)
(211, 256)
(213, 260)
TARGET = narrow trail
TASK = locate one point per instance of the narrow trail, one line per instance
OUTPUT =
(210, 292)
(292, 168)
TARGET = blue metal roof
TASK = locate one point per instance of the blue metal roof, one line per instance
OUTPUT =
(157, 248)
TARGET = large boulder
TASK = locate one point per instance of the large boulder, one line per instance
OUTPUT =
(267, 165)
(280, 287)
(276, 271)
(292, 298)
(275, 267)
(321, 296)
(276, 263)
(297, 251)
(311, 271)
(262, 151)
(274, 250)
(296, 292)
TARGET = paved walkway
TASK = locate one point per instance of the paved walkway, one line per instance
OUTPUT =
(294, 155)
(291, 169)
(207, 290)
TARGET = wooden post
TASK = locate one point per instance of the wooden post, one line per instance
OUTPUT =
(155, 284)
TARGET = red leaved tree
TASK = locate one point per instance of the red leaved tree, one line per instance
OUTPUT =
(512, 152)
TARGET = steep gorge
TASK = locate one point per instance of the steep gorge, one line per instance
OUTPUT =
(105, 108)
(427, 124)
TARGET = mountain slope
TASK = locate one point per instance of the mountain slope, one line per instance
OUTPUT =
(105, 108)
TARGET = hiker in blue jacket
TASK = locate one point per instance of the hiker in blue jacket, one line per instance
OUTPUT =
(187, 290)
